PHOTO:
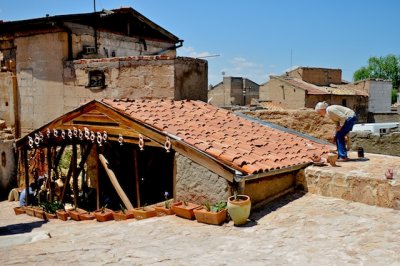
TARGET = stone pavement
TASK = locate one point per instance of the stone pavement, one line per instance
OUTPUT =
(294, 230)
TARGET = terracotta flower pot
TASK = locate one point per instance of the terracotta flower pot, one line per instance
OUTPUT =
(19, 210)
(39, 213)
(29, 210)
(239, 209)
(74, 213)
(144, 213)
(185, 211)
(103, 215)
(50, 215)
(119, 215)
(208, 217)
(62, 215)
(162, 211)
(87, 216)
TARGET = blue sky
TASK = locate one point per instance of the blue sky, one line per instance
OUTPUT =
(256, 38)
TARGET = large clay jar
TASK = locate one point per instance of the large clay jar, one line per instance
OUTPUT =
(332, 158)
(239, 209)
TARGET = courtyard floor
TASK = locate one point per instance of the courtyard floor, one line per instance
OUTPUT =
(296, 229)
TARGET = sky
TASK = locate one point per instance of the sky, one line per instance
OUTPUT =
(256, 38)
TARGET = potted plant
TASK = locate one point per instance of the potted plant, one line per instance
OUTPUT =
(50, 209)
(239, 208)
(62, 214)
(86, 215)
(165, 208)
(211, 214)
(144, 212)
(103, 214)
(185, 209)
(39, 212)
(123, 214)
(75, 212)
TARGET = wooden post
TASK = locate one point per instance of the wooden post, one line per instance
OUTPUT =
(135, 155)
(115, 183)
(25, 154)
(17, 123)
(49, 167)
(74, 174)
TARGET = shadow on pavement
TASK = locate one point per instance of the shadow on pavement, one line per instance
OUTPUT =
(273, 206)
(20, 228)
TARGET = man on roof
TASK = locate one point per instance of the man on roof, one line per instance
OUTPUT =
(344, 118)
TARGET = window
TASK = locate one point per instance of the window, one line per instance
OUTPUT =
(344, 102)
(96, 79)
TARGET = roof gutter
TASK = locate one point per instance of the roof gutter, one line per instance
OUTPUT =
(296, 167)
(172, 47)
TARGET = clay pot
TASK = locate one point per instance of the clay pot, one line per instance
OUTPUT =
(162, 211)
(19, 210)
(119, 215)
(62, 215)
(144, 213)
(332, 158)
(103, 215)
(239, 209)
(50, 215)
(208, 217)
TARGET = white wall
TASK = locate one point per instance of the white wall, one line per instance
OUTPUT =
(380, 94)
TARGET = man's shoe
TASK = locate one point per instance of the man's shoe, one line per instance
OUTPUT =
(343, 159)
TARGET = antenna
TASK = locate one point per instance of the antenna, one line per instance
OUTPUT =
(94, 5)
(291, 58)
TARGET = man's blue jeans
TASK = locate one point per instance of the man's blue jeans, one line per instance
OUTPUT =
(340, 136)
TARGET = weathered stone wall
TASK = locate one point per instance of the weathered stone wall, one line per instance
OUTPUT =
(216, 95)
(196, 183)
(7, 168)
(110, 44)
(352, 186)
(386, 118)
(190, 79)
(305, 121)
(388, 144)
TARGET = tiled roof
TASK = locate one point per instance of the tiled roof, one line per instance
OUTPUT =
(243, 145)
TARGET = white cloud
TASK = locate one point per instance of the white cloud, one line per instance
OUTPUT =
(242, 67)
(191, 52)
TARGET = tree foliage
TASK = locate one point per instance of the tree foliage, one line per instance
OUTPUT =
(384, 67)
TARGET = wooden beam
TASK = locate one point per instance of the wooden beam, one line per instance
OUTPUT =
(74, 174)
(115, 183)
(25, 154)
(135, 158)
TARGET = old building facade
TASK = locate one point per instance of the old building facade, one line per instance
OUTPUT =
(51, 65)
(233, 91)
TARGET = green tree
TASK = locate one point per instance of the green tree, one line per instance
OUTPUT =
(384, 67)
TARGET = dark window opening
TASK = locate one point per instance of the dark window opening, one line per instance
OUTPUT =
(344, 102)
(3, 159)
(97, 79)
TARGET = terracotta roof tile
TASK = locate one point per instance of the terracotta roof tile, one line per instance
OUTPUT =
(241, 144)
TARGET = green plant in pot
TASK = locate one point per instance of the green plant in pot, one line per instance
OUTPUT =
(239, 207)
(211, 214)
(166, 207)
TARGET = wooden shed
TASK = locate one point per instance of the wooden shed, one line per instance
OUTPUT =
(133, 151)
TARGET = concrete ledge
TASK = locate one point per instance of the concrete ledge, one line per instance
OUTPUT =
(360, 181)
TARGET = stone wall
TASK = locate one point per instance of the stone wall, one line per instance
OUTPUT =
(352, 186)
(318, 76)
(196, 183)
(6, 98)
(7, 168)
(388, 144)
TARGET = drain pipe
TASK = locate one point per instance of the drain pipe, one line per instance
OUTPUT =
(173, 47)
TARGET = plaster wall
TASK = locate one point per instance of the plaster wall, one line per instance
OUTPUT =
(380, 93)
(7, 168)
(216, 95)
(198, 184)
(39, 74)
(6, 98)
(283, 93)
